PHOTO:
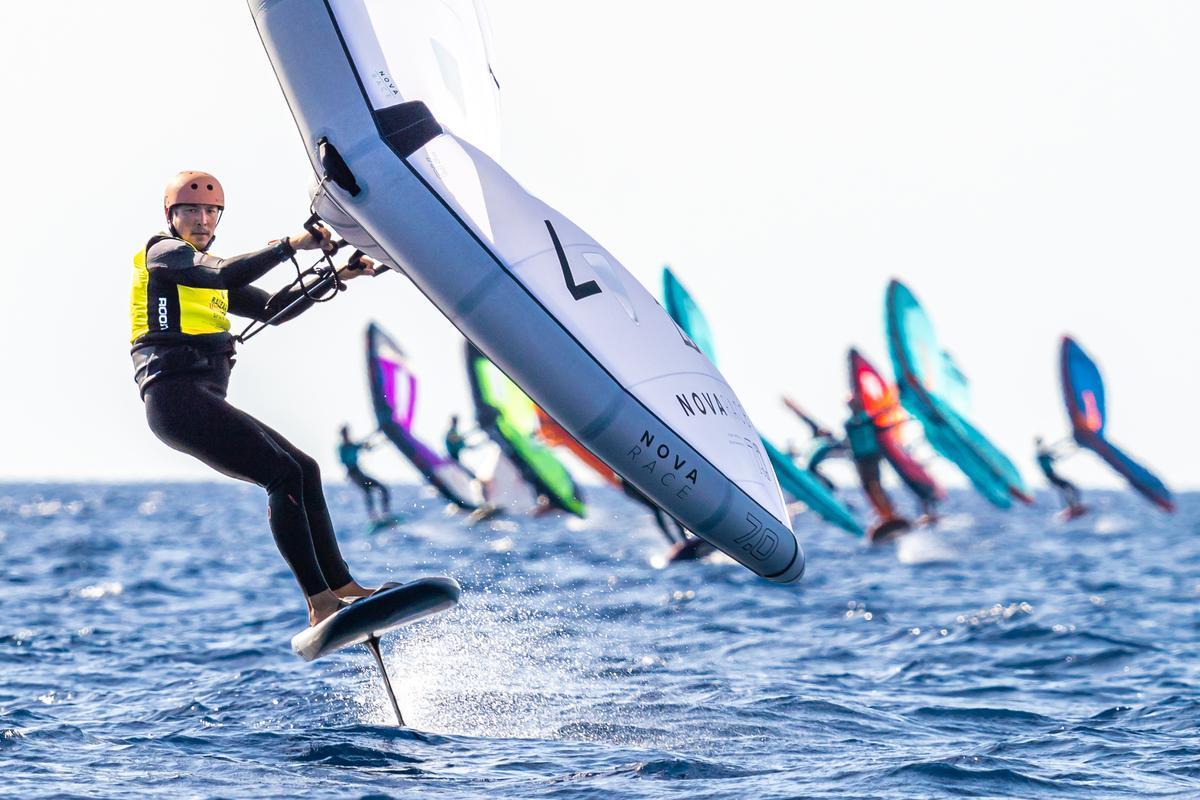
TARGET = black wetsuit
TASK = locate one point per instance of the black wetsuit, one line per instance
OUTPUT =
(348, 454)
(864, 448)
(826, 447)
(1068, 490)
(455, 444)
(183, 380)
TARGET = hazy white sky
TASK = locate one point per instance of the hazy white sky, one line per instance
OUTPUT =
(1028, 168)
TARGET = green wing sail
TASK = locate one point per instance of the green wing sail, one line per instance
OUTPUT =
(510, 417)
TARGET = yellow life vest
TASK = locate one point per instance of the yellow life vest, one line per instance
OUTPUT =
(159, 306)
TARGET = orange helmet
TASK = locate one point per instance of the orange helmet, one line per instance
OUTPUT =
(199, 188)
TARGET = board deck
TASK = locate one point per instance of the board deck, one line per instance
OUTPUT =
(1071, 513)
(690, 549)
(385, 522)
(371, 616)
(888, 530)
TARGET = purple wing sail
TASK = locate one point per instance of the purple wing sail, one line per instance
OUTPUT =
(399, 390)
(394, 396)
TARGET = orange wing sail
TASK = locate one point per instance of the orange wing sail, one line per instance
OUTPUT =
(553, 434)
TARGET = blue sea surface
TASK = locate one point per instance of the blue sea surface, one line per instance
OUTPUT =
(144, 651)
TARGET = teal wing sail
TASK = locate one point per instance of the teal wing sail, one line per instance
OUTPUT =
(934, 390)
(687, 315)
(802, 486)
(794, 481)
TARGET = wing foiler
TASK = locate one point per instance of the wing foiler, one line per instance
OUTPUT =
(933, 390)
(881, 402)
(394, 396)
(1083, 393)
(795, 481)
(397, 106)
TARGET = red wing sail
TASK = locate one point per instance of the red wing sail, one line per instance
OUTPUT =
(881, 401)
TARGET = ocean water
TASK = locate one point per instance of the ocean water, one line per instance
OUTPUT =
(144, 652)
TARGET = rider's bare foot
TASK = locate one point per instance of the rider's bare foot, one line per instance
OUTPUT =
(353, 590)
(321, 606)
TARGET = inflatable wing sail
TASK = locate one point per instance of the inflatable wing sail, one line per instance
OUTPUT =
(683, 309)
(396, 104)
(795, 481)
(803, 486)
(1083, 393)
(511, 419)
(933, 390)
(394, 396)
(881, 401)
(955, 390)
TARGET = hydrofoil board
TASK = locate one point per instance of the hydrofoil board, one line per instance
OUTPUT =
(691, 549)
(371, 617)
(1071, 512)
(888, 530)
(368, 618)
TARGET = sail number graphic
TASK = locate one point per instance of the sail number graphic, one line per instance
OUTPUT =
(759, 541)
(579, 291)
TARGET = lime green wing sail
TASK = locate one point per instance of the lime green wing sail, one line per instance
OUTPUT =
(510, 418)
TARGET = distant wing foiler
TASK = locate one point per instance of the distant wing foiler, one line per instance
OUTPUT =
(796, 482)
(394, 398)
(397, 107)
(881, 402)
(933, 390)
(803, 486)
(1083, 393)
(511, 419)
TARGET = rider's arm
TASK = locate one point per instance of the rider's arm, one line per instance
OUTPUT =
(253, 302)
(1054, 451)
(187, 266)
